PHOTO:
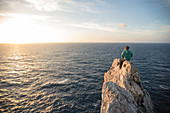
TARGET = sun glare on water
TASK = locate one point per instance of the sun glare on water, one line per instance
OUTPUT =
(23, 30)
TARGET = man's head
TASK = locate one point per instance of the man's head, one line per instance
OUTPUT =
(126, 47)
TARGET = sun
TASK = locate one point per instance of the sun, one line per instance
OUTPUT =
(24, 30)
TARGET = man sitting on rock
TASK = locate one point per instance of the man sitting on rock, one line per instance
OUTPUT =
(126, 55)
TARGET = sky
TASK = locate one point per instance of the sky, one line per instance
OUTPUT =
(41, 21)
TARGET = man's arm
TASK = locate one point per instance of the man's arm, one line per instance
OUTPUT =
(122, 54)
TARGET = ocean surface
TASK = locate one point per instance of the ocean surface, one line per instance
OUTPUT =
(68, 77)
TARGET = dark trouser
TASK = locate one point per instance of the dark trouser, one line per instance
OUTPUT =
(121, 62)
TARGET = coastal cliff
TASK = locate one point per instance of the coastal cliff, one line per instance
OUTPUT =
(122, 91)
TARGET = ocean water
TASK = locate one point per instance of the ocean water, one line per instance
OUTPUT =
(68, 77)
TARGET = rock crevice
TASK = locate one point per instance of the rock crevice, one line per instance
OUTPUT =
(122, 91)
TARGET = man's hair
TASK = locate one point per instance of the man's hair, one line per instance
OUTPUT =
(127, 47)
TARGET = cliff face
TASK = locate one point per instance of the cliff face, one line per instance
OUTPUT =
(122, 91)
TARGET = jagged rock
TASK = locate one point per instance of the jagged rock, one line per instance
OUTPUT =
(122, 91)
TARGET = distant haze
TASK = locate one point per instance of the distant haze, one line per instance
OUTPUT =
(36, 21)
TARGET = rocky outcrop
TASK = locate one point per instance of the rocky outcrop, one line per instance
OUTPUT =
(122, 91)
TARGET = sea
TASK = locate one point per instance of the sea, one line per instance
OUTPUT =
(68, 77)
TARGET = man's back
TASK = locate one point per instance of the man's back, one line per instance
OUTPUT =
(127, 54)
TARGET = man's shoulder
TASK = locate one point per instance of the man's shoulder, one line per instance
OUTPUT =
(126, 51)
(129, 51)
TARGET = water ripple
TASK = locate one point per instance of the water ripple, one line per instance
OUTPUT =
(68, 77)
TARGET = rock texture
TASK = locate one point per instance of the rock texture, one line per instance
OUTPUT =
(122, 91)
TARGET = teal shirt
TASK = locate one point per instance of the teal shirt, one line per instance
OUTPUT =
(127, 55)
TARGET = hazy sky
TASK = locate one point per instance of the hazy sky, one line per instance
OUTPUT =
(30, 21)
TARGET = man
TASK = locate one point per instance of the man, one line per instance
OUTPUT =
(126, 55)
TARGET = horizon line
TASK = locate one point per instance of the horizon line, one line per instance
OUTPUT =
(85, 42)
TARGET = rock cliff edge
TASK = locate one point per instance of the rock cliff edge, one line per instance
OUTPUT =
(122, 91)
